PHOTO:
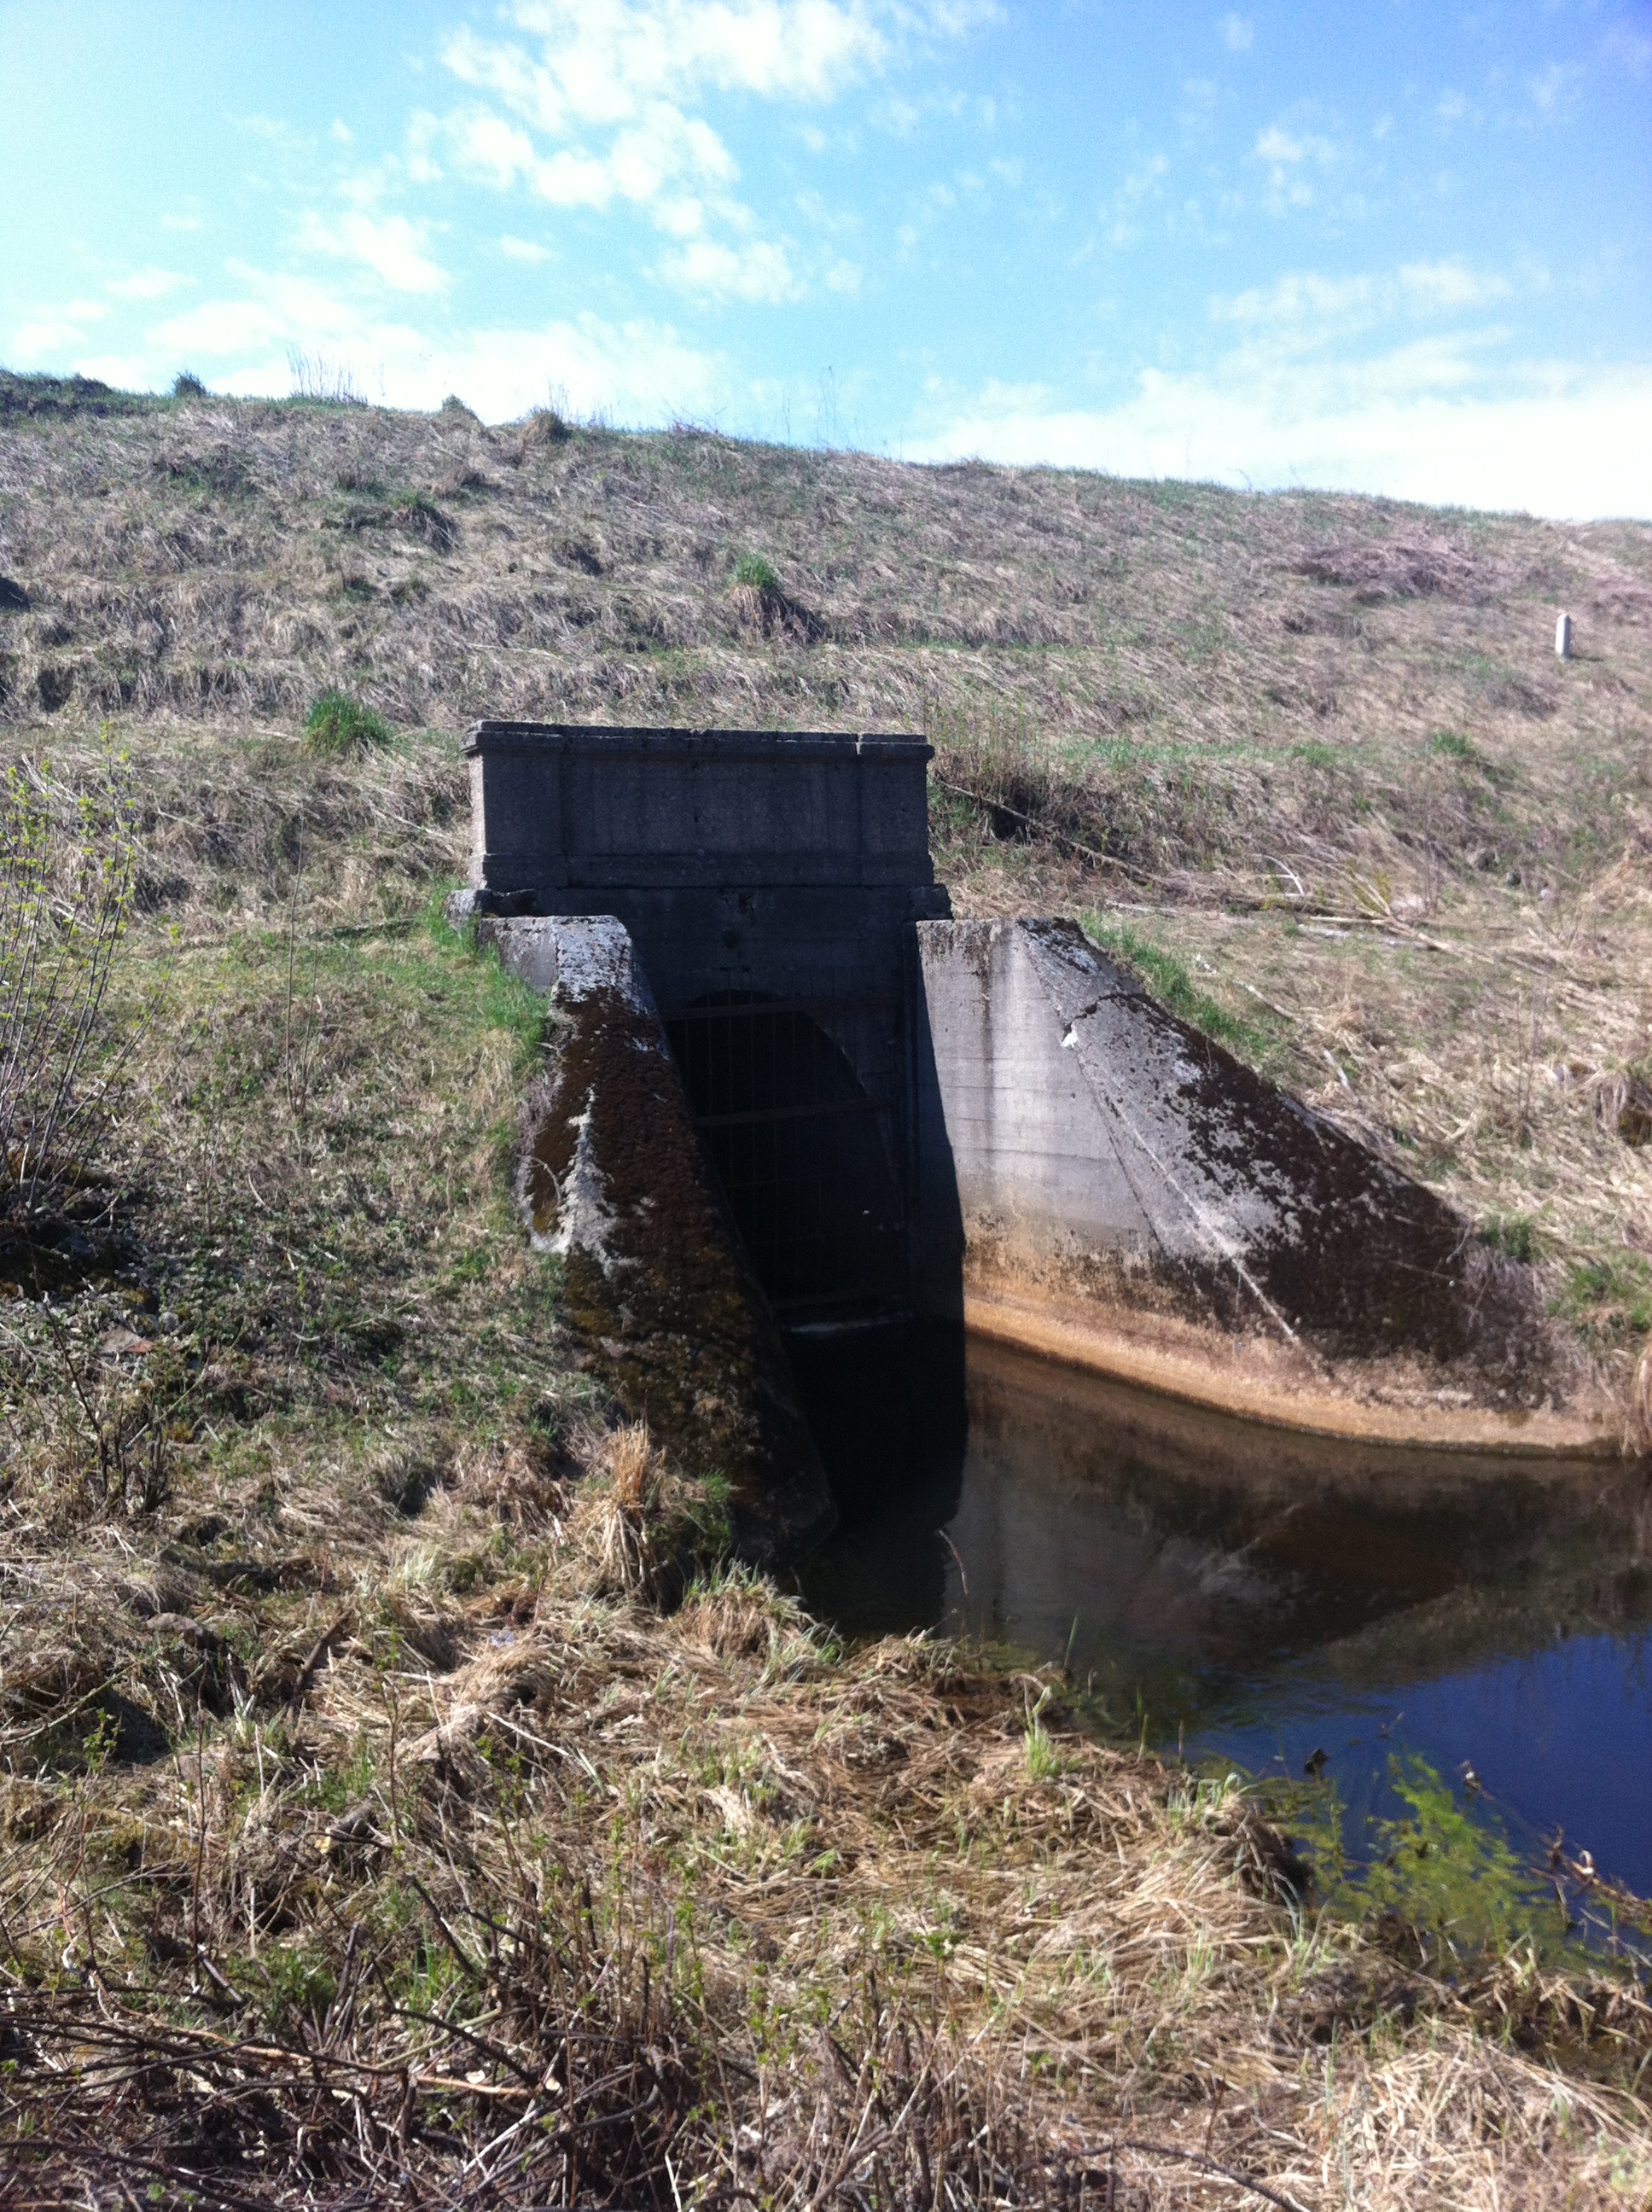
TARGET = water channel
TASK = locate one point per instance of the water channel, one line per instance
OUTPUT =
(1277, 1602)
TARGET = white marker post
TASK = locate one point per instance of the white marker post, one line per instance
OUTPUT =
(1563, 638)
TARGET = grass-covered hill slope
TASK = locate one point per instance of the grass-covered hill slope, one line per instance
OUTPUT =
(403, 1798)
(1316, 754)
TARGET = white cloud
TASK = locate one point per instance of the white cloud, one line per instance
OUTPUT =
(899, 117)
(1558, 86)
(390, 246)
(640, 166)
(1277, 145)
(341, 134)
(1303, 304)
(591, 104)
(278, 311)
(1450, 284)
(1288, 155)
(147, 284)
(756, 270)
(1422, 422)
(1451, 108)
(522, 249)
(53, 329)
(603, 62)
(1632, 48)
(183, 223)
(1123, 212)
(1295, 297)
(1237, 32)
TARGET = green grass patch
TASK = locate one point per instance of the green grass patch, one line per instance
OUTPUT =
(1453, 744)
(1514, 1234)
(1315, 755)
(1608, 1300)
(751, 568)
(505, 1002)
(339, 727)
(1172, 984)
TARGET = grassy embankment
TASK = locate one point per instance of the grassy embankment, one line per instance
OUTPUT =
(376, 1800)
(1352, 810)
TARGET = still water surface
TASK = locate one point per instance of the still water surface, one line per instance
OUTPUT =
(1249, 1597)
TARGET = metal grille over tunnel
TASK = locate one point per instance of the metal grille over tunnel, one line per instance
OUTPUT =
(805, 1151)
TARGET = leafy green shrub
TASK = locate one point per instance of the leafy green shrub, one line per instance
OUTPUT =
(753, 571)
(187, 385)
(338, 727)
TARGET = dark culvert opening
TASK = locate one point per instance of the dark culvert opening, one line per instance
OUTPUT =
(803, 1152)
(805, 1155)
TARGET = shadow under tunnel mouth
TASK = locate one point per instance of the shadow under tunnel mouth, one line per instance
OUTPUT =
(803, 1151)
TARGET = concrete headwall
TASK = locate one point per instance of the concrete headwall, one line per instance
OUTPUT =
(754, 871)
(564, 817)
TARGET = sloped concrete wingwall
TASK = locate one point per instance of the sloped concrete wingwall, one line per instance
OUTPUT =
(613, 1182)
(1077, 1139)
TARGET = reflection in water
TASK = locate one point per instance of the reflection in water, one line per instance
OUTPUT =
(1252, 1596)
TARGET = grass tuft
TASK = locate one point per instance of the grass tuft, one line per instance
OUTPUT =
(1453, 744)
(339, 727)
(1514, 1234)
(1608, 1300)
(757, 573)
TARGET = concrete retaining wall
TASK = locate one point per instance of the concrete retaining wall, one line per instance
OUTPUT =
(1085, 1153)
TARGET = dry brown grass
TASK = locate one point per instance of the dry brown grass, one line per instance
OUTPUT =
(755, 1917)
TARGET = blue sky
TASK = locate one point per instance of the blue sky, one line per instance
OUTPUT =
(1391, 247)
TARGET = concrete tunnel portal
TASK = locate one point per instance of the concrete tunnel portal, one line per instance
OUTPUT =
(769, 884)
(982, 1121)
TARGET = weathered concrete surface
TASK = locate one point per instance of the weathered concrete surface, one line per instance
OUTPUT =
(1100, 1182)
(751, 868)
(561, 813)
(612, 1180)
